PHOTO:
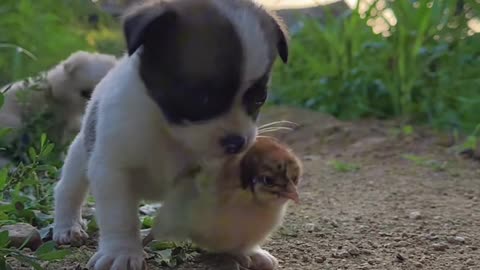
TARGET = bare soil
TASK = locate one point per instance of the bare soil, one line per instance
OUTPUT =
(373, 197)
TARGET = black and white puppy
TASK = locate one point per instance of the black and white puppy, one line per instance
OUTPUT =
(190, 89)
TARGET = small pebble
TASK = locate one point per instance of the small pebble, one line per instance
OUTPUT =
(457, 240)
(432, 237)
(334, 223)
(415, 215)
(354, 251)
(418, 264)
(310, 227)
(469, 262)
(320, 259)
(439, 246)
(341, 253)
(401, 244)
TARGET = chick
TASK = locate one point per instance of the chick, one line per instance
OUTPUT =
(233, 209)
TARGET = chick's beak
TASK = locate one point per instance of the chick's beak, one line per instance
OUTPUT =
(291, 193)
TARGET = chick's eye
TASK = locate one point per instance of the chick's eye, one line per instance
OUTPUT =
(86, 93)
(268, 181)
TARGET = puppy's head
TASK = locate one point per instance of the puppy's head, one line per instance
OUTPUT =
(73, 80)
(207, 63)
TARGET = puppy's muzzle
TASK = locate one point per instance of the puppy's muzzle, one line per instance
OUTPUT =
(233, 144)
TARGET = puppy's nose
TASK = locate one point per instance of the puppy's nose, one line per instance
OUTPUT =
(233, 144)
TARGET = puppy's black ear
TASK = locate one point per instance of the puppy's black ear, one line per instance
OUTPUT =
(138, 21)
(282, 37)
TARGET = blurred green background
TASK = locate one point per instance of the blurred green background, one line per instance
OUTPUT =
(36, 35)
(422, 64)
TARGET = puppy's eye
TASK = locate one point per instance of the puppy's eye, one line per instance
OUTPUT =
(267, 181)
(256, 96)
(86, 93)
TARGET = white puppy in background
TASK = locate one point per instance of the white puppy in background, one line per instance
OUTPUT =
(64, 92)
(190, 89)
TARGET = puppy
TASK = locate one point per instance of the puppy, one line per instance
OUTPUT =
(63, 93)
(190, 88)
(236, 211)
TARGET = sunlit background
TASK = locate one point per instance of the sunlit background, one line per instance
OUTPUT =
(373, 58)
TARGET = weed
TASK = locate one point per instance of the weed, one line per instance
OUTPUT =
(344, 166)
(426, 162)
(46, 252)
(171, 254)
(423, 67)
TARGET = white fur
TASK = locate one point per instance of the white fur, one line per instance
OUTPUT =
(60, 93)
(137, 154)
(253, 40)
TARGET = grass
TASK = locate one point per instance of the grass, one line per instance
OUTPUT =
(426, 162)
(341, 166)
(422, 68)
(47, 31)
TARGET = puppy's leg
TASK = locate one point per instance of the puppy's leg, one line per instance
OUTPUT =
(257, 259)
(70, 193)
(120, 246)
(263, 260)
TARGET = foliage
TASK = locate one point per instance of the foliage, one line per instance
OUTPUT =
(26, 190)
(46, 252)
(35, 35)
(344, 166)
(426, 162)
(171, 254)
(423, 67)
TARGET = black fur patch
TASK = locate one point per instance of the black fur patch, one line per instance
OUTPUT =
(192, 66)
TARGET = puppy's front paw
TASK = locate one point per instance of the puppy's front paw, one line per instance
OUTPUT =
(263, 260)
(70, 234)
(126, 259)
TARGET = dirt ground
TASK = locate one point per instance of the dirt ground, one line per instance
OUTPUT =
(373, 197)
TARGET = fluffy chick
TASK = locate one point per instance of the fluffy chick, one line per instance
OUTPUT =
(235, 208)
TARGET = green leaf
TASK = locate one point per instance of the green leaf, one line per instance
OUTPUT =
(3, 263)
(147, 222)
(54, 255)
(156, 245)
(407, 130)
(4, 132)
(2, 99)
(3, 216)
(32, 154)
(3, 177)
(45, 248)
(92, 226)
(166, 254)
(47, 150)
(4, 239)
(43, 139)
